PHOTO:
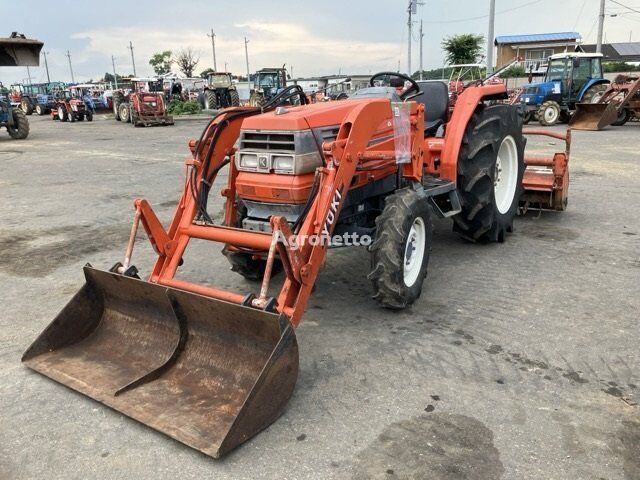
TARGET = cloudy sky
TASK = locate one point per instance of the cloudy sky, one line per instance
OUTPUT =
(312, 38)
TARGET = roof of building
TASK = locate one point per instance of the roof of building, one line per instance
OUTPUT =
(616, 51)
(575, 55)
(538, 37)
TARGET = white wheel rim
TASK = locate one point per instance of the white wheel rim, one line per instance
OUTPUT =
(414, 252)
(551, 114)
(506, 174)
(60, 112)
(596, 97)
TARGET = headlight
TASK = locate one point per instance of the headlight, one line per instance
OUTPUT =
(247, 161)
(282, 163)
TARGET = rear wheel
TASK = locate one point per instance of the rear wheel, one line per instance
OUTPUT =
(490, 169)
(117, 99)
(210, 100)
(62, 114)
(90, 116)
(594, 93)
(257, 100)
(235, 98)
(624, 116)
(25, 105)
(20, 127)
(549, 113)
(400, 252)
(124, 110)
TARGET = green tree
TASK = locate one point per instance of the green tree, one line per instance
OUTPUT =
(207, 72)
(464, 48)
(161, 62)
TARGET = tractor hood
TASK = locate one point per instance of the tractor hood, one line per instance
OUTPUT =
(19, 51)
(540, 88)
(303, 117)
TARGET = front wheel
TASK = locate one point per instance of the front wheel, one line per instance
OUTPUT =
(549, 113)
(400, 252)
(90, 116)
(20, 129)
(62, 114)
(40, 110)
(124, 111)
(490, 170)
(624, 116)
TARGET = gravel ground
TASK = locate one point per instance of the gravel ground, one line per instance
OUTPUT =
(519, 361)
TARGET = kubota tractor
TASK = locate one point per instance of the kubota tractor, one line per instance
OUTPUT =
(212, 368)
(219, 92)
(144, 105)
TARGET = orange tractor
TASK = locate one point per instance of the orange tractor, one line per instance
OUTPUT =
(67, 107)
(212, 368)
(143, 106)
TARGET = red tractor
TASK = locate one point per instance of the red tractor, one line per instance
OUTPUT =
(70, 108)
(212, 367)
(144, 105)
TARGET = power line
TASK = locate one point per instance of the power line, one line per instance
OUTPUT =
(625, 6)
(480, 17)
(575, 25)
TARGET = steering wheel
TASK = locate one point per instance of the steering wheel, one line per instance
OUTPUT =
(410, 92)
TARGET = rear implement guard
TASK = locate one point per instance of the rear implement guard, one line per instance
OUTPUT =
(546, 179)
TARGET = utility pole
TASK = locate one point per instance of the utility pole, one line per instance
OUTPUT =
(421, 37)
(73, 80)
(411, 10)
(213, 47)
(46, 65)
(600, 27)
(490, 35)
(133, 62)
(226, 69)
(115, 75)
(29, 74)
(246, 56)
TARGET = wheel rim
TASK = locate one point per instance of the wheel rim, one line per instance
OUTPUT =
(596, 97)
(551, 114)
(60, 113)
(506, 174)
(414, 252)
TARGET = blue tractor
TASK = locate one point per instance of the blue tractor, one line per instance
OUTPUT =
(571, 78)
(38, 97)
(16, 50)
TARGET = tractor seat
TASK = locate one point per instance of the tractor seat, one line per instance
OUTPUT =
(434, 96)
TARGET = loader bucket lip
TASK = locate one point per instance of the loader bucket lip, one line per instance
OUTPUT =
(20, 52)
(220, 372)
(593, 116)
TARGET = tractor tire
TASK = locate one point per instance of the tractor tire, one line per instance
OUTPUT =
(62, 114)
(250, 268)
(624, 116)
(257, 100)
(90, 116)
(20, 129)
(234, 98)
(40, 110)
(527, 117)
(492, 144)
(210, 100)
(26, 106)
(124, 110)
(72, 116)
(565, 116)
(400, 252)
(549, 113)
(594, 93)
(117, 99)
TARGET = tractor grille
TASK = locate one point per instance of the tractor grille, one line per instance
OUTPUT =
(266, 141)
(326, 134)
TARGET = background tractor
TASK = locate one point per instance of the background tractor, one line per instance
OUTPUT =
(37, 97)
(70, 108)
(219, 92)
(16, 50)
(143, 105)
(267, 83)
(211, 367)
(571, 78)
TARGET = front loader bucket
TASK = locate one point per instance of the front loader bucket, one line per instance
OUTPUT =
(19, 52)
(593, 116)
(208, 373)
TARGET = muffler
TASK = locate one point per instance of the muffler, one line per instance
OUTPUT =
(209, 373)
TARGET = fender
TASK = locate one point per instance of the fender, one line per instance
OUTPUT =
(591, 83)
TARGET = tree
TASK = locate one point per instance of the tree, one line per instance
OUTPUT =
(207, 72)
(187, 60)
(464, 48)
(109, 78)
(161, 62)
